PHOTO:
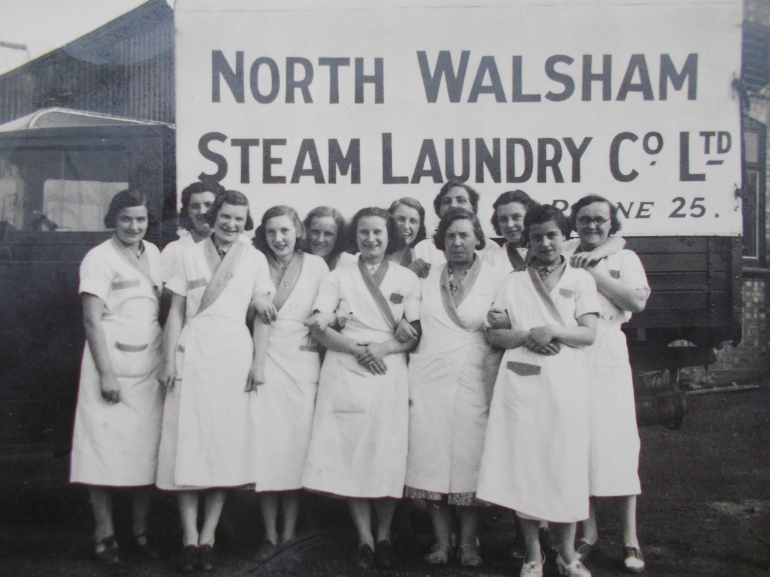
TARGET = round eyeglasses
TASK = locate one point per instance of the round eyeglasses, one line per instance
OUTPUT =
(587, 220)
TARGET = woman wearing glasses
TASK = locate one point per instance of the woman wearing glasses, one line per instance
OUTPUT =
(614, 438)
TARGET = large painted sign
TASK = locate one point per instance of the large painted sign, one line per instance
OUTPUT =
(349, 104)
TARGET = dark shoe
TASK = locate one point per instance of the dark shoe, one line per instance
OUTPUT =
(206, 557)
(633, 559)
(584, 549)
(107, 550)
(146, 548)
(364, 559)
(188, 559)
(383, 556)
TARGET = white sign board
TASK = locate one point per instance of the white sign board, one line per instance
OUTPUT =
(351, 105)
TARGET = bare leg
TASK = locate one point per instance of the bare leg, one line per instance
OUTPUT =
(188, 515)
(360, 510)
(565, 532)
(215, 500)
(627, 512)
(441, 515)
(290, 501)
(469, 525)
(101, 503)
(269, 506)
(590, 532)
(531, 531)
(385, 509)
(141, 509)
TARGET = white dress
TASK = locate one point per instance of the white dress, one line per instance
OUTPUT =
(614, 461)
(117, 444)
(285, 403)
(208, 419)
(451, 377)
(170, 255)
(500, 260)
(359, 442)
(536, 452)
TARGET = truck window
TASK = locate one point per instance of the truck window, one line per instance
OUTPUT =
(78, 205)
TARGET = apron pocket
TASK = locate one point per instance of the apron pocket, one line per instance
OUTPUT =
(133, 360)
(523, 369)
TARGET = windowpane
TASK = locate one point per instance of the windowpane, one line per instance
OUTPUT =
(78, 205)
(751, 214)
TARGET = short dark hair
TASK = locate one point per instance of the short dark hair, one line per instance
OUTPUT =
(472, 195)
(507, 198)
(415, 204)
(547, 213)
(339, 220)
(195, 188)
(453, 214)
(615, 223)
(395, 242)
(126, 199)
(229, 197)
(260, 235)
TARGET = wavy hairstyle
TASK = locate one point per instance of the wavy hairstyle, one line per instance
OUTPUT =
(339, 220)
(415, 204)
(196, 188)
(395, 242)
(449, 217)
(229, 197)
(260, 235)
(126, 199)
(546, 213)
(472, 195)
(507, 198)
(615, 223)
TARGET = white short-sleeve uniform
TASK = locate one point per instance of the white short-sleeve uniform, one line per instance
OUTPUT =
(286, 401)
(359, 442)
(208, 419)
(117, 444)
(427, 251)
(498, 258)
(170, 255)
(614, 461)
(451, 377)
(536, 452)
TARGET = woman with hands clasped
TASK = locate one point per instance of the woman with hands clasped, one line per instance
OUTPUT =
(536, 450)
(614, 438)
(209, 370)
(450, 386)
(286, 400)
(359, 442)
(117, 423)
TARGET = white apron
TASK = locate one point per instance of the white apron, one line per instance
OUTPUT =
(208, 424)
(536, 452)
(359, 442)
(614, 461)
(450, 386)
(285, 403)
(500, 259)
(117, 444)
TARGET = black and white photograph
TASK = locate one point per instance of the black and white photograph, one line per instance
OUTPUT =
(427, 288)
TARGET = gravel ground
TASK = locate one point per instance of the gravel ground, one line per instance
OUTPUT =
(705, 511)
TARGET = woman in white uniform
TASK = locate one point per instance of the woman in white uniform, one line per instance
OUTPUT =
(359, 441)
(508, 222)
(614, 458)
(117, 424)
(450, 386)
(535, 457)
(197, 199)
(326, 236)
(410, 218)
(286, 400)
(209, 370)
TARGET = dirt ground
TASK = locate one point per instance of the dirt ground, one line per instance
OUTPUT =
(705, 511)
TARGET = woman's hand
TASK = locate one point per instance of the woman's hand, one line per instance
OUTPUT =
(550, 349)
(585, 260)
(319, 321)
(538, 338)
(405, 332)
(265, 309)
(256, 377)
(371, 356)
(498, 319)
(420, 268)
(166, 374)
(110, 388)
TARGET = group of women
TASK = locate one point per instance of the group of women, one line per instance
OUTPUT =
(363, 360)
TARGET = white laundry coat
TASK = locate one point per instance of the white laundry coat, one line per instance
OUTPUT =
(359, 441)
(536, 452)
(117, 444)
